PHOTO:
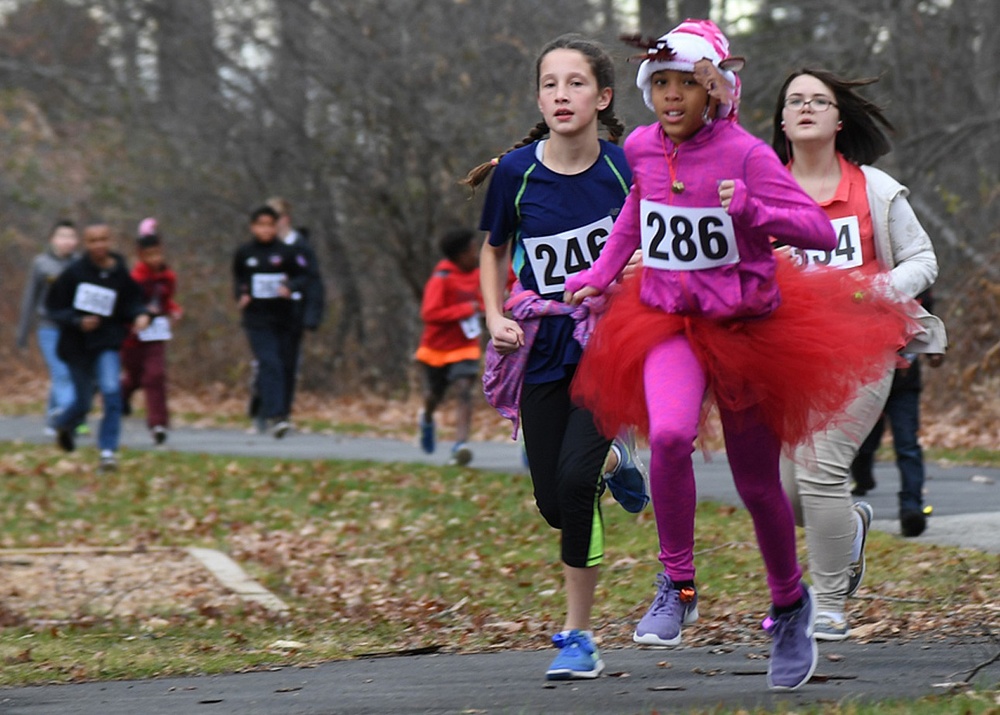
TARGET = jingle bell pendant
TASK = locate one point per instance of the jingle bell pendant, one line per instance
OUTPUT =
(677, 186)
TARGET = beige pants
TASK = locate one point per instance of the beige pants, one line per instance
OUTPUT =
(817, 482)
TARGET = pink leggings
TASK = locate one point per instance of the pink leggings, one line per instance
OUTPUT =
(675, 385)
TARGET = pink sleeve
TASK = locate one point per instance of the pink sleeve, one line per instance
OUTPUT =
(771, 201)
(621, 244)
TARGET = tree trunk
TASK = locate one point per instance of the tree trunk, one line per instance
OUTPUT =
(653, 17)
(698, 9)
(186, 63)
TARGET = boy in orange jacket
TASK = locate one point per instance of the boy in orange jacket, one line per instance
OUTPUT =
(450, 344)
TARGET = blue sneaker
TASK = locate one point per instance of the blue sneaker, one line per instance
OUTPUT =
(794, 653)
(578, 657)
(856, 571)
(629, 483)
(427, 442)
(671, 609)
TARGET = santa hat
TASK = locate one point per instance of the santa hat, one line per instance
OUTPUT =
(681, 48)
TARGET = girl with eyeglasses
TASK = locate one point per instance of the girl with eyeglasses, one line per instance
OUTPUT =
(828, 135)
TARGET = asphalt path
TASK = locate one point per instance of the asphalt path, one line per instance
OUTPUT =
(966, 505)
(636, 682)
(966, 500)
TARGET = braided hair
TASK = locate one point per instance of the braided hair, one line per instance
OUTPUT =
(604, 71)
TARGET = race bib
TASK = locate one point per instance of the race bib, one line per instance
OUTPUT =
(472, 327)
(266, 285)
(554, 258)
(847, 254)
(95, 299)
(676, 238)
(159, 329)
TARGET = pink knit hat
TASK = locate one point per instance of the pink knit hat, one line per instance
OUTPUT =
(682, 48)
(148, 227)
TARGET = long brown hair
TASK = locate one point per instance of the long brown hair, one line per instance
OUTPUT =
(861, 140)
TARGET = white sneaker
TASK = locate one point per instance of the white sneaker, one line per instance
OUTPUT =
(108, 462)
(281, 428)
(863, 514)
(830, 627)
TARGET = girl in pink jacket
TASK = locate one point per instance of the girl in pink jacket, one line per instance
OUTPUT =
(713, 311)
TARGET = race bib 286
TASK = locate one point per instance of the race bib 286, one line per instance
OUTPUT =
(676, 238)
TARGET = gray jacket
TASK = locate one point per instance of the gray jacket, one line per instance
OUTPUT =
(45, 268)
(904, 249)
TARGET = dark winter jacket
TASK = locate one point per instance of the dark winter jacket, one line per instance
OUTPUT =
(309, 311)
(86, 289)
(257, 268)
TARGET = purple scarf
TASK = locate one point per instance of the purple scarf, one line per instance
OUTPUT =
(504, 374)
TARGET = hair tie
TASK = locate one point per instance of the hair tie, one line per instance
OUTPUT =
(494, 161)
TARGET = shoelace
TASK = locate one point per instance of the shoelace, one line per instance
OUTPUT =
(784, 623)
(668, 597)
(561, 640)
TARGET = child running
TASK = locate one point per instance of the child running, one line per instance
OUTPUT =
(267, 275)
(713, 311)
(95, 302)
(829, 134)
(45, 268)
(449, 350)
(555, 200)
(144, 354)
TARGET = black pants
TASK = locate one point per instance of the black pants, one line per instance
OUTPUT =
(292, 368)
(566, 455)
(276, 351)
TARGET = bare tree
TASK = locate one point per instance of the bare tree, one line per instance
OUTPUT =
(365, 115)
(187, 70)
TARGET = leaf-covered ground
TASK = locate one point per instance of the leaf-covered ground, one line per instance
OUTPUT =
(374, 558)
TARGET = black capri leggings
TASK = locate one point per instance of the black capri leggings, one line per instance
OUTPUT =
(566, 456)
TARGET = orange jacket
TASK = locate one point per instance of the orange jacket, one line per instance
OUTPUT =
(451, 296)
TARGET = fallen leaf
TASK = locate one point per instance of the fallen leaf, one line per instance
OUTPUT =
(286, 645)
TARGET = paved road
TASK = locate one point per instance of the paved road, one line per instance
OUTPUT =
(641, 682)
(966, 500)
(967, 512)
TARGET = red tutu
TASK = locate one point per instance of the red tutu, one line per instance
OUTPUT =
(800, 366)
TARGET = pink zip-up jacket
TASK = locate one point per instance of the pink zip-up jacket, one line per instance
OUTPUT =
(767, 202)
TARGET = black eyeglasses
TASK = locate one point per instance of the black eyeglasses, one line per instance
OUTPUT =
(818, 104)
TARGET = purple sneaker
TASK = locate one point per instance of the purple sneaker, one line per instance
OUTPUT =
(671, 608)
(794, 654)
